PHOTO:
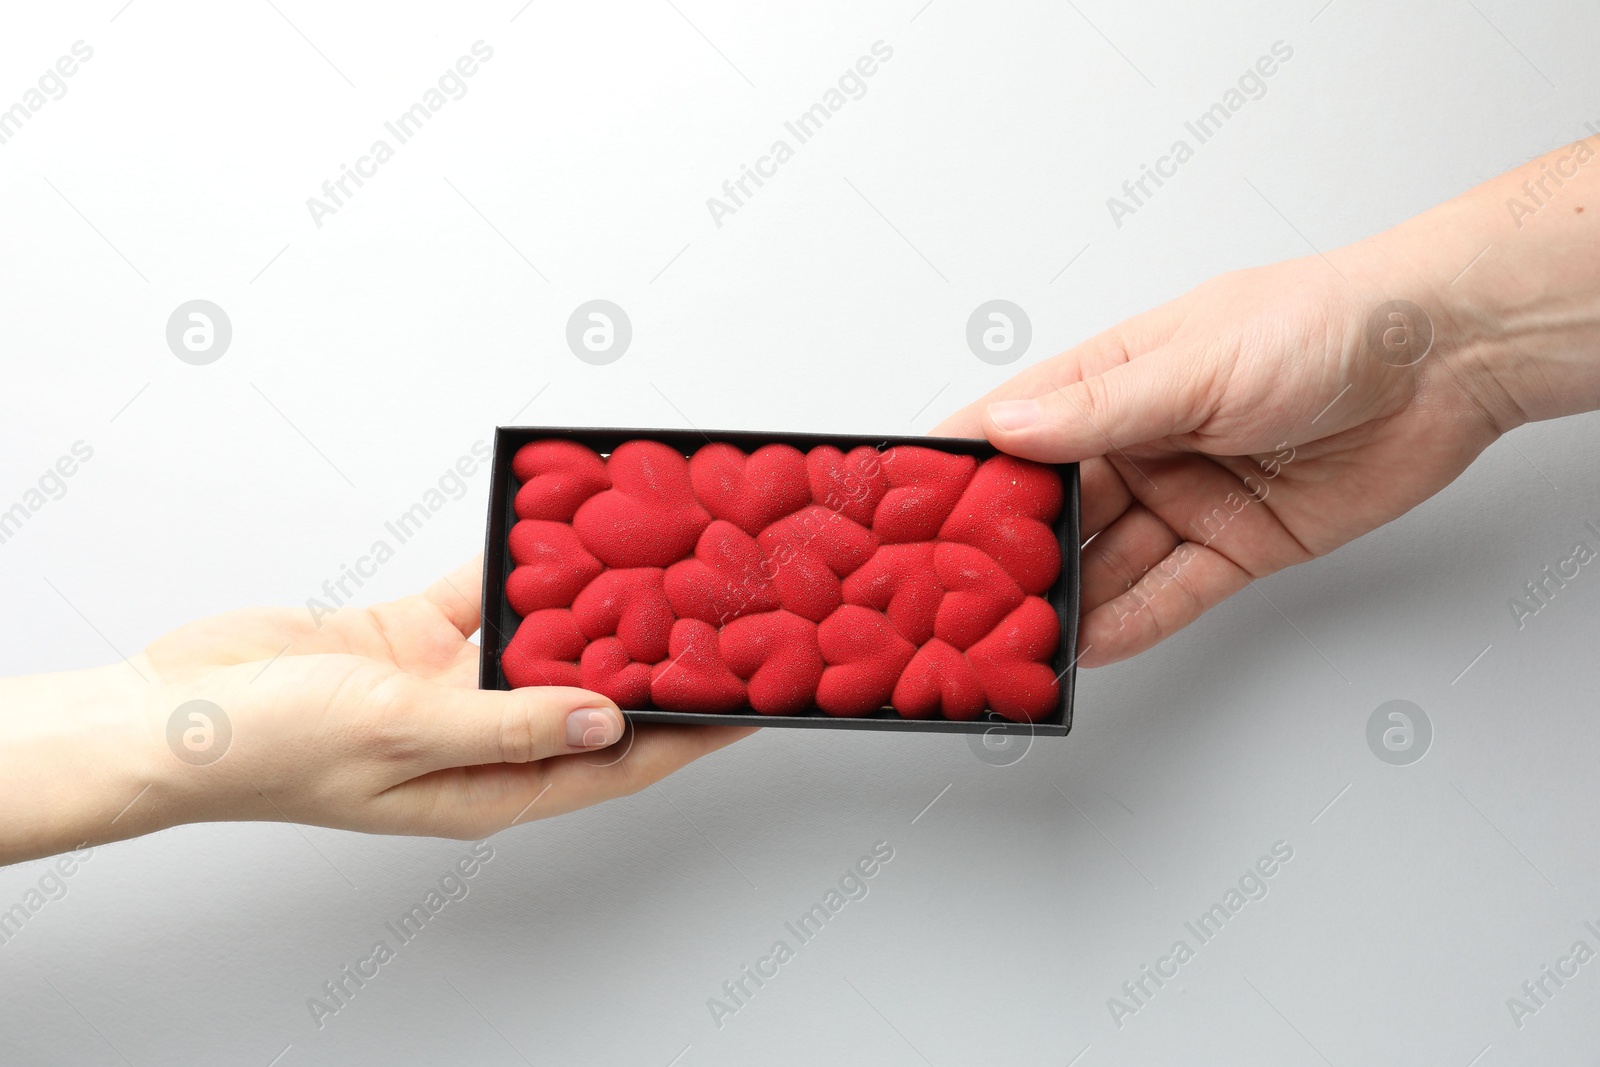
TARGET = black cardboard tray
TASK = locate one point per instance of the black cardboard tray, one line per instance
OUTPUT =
(500, 622)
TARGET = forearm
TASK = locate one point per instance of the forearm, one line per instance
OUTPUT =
(77, 762)
(1512, 270)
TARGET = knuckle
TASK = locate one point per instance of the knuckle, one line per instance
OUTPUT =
(1093, 396)
(1196, 604)
(525, 732)
(387, 729)
(635, 777)
(1117, 565)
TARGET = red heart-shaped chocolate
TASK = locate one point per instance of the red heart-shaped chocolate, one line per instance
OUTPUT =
(607, 669)
(865, 655)
(808, 553)
(978, 594)
(649, 517)
(1007, 512)
(924, 485)
(900, 581)
(750, 491)
(695, 678)
(557, 477)
(632, 605)
(850, 483)
(778, 656)
(728, 577)
(544, 650)
(1013, 662)
(552, 566)
(938, 682)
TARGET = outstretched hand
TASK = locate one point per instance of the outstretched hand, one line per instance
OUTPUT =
(1262, 419)
(371, 720)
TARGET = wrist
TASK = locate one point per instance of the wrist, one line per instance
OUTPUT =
(1513, 294)
(78, 765)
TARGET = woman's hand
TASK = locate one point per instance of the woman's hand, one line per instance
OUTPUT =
(1271, 415)
(368, 720)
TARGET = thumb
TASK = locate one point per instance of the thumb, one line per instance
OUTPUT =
(1154, 396)
(453, 727)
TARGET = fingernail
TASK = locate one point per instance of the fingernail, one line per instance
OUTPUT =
(593, 727)
(1014, 414)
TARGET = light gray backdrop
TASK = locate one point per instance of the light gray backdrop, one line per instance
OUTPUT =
(371, 351)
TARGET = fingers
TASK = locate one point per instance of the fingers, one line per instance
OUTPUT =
(439, 726)
(1069, 366)
(1098, 354)
(1116, 560)
(657, 751)
(459, 596)
(1229, 505)
(1200, 531)
(1157, 396)
(1190, 581)
(472, 802)
(1105, 496)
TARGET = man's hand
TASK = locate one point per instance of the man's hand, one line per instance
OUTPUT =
(1271, 415)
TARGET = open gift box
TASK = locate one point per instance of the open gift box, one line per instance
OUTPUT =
(781, 579)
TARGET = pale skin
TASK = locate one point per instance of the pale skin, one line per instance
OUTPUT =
(1258, 393)
(371, 721)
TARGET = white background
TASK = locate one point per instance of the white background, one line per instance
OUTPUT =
(372, 352)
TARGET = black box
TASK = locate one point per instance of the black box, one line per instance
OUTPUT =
(500, 622)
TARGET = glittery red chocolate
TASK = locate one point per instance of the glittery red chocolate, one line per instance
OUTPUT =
(787, 581)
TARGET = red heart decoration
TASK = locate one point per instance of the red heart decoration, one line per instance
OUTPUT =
(850, 483)
(939, 682)
(750, 491)
(978, 594)
(632, 605)
(695, 678)
(808, 552)
(607, 669)
(649, 517)
(557, 477)
(728, 577)
(865, 655)
(552, 566)
(924, 485)
(777, 654)
(899, 580)
(785, 580)
(544, 650)
(1013, 662)
(1006, 512)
